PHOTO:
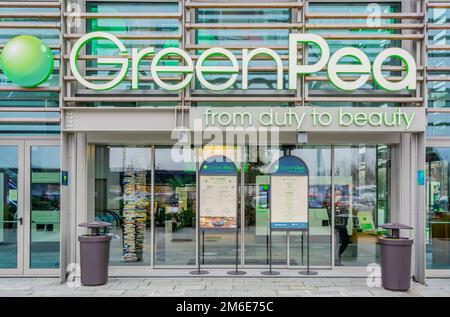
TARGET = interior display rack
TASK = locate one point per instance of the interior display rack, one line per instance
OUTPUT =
(134, 211)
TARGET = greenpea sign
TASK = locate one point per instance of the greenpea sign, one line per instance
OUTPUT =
(27, 61)
(361, 65)
(370, 119)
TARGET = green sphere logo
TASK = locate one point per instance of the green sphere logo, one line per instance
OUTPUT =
(27, 61)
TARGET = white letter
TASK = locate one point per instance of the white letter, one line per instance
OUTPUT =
(411, 70)
(233, 69)
(295, 69)
(135, 61)
(334, 69)
(246, 57)
(188, 69)
(123, 61)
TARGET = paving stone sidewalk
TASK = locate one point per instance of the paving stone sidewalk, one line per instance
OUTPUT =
(215, 286)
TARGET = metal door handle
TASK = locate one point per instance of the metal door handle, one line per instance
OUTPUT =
(20, 220)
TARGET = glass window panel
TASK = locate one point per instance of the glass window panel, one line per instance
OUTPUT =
(371, 47)
(29, 99)
(438, 124)
(218, 247)
(45, 207)
(123, 198)
(257, 80)
(257, 209)
(243, 15)
(439, 94)
(438, 212)
(318, 160)
(29, 129)
(358, 213)
(175, 208)
(437, 58)
(48, 36)
(438, 15)
(9, 157)
(131, 26)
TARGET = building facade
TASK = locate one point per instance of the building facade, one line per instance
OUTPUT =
(115, 148)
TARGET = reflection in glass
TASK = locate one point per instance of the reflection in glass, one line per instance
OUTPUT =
(257, 80)
(122, 198)
(175, 206)
(438, 220)
(318, 160)
(130, 26)
(438, 124)
(45, 207)
(372, 46)
(257, 209)
(360, 208)
(8, 206)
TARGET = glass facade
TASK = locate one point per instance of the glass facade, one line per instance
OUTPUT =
(150, 198)
(123, 193)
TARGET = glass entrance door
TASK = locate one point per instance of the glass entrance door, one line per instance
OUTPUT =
(360, 181)
(42, 206)
(11, 204)
(29, 207)
(438, 215)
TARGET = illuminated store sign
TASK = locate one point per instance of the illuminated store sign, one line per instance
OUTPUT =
(363, 68)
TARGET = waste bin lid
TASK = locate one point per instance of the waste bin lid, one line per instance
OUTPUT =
(393, 225)
(95, 224)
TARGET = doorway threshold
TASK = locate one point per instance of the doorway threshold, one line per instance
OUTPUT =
(353, 272)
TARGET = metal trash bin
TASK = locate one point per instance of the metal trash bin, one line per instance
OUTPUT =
(94, 254)
(395, 258)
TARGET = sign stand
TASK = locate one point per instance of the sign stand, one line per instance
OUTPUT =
(308, 271)
(237, 271)
(270, 272)
(215, 173)
(198, 271)
(289, 208)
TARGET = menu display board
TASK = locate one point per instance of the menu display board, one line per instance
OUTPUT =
(218, 201)
(289, 202)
